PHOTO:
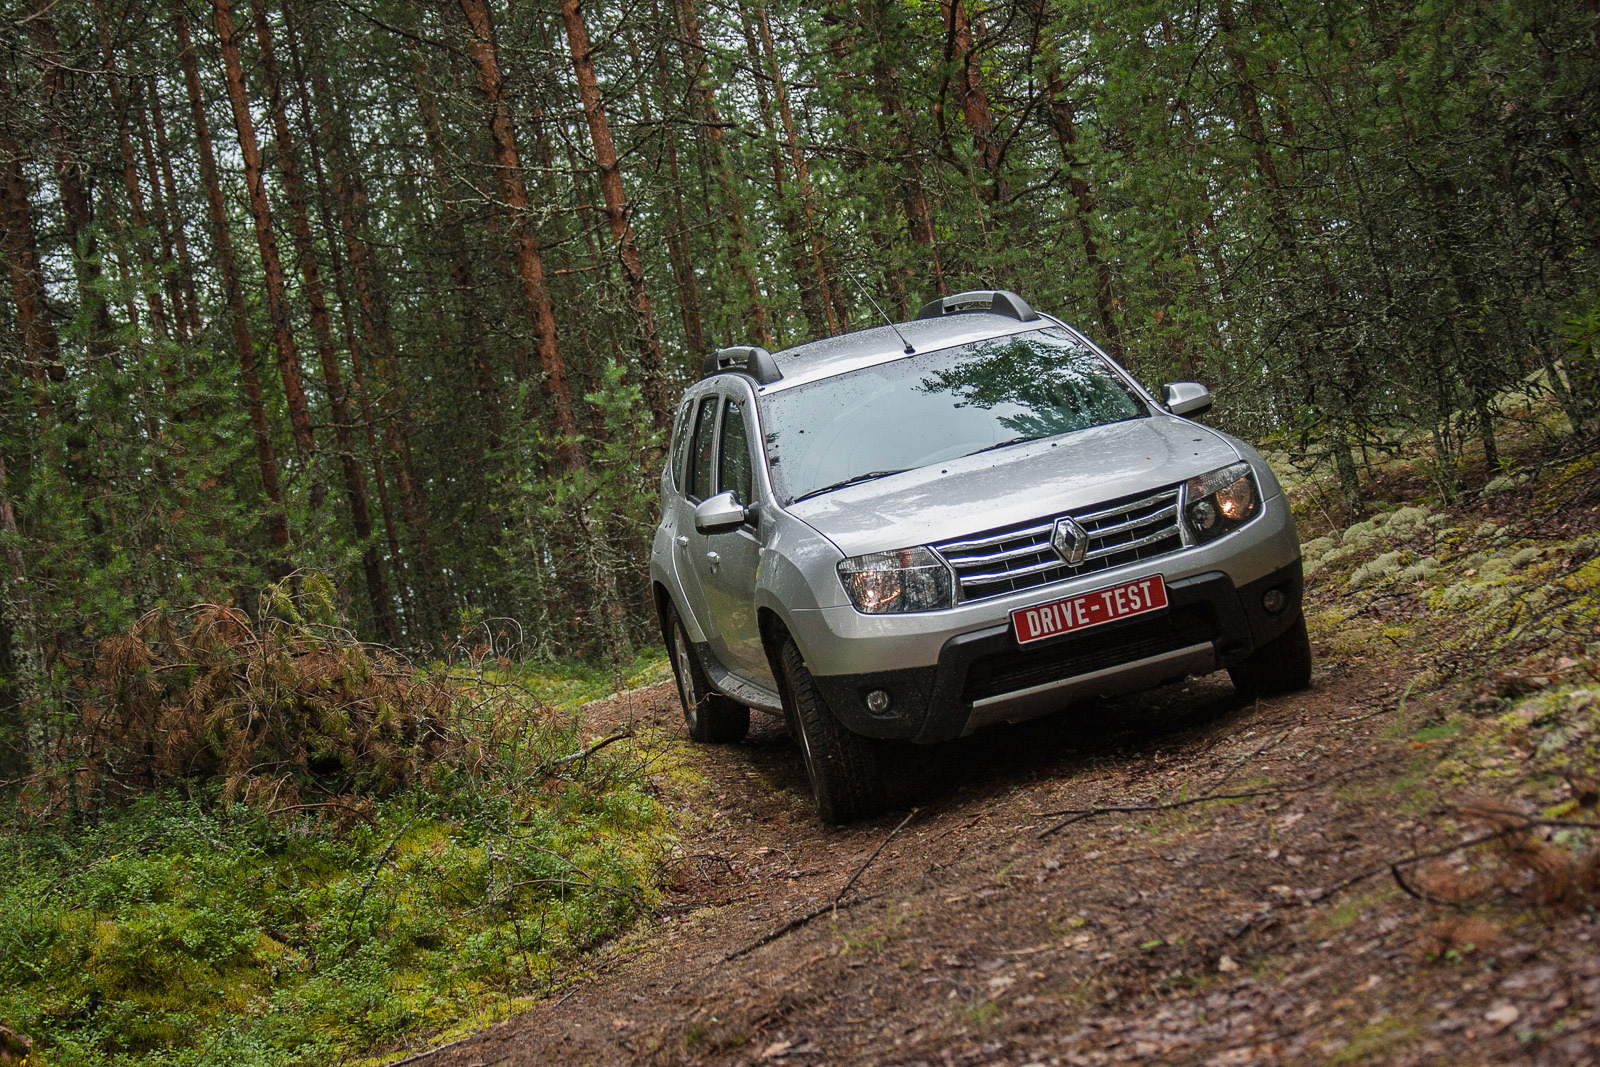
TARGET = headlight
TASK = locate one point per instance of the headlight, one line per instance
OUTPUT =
(907, 579)
(1223, 500)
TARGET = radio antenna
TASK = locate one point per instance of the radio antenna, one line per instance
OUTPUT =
(908, 350)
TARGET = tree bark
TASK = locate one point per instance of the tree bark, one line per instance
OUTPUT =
(130, 182)
(902, 146)
(266, 238)
(652, 360)
(470, 331)
(975, 109)
(41, 347)
(787, 205)
(678, 244)
(1063, 124)
(161, 219)
(378, 341)
(70, 180)
(321, 323)
(530, 264)
(739, 250)
(802, 173)
(180, 241)
(228, 264)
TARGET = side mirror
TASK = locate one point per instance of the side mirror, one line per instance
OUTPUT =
(719, 514)
(1186, 398)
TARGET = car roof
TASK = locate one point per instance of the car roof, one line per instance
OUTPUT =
(829, 356)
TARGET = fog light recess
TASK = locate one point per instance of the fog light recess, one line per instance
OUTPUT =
(878, 701)
(1274, 601)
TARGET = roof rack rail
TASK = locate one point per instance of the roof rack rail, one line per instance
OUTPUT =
(743, 359)
(999, 301)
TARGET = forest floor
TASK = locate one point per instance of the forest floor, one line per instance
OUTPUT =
(991, 927)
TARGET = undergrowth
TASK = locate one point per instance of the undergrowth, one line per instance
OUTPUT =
(264, 843)
(1483, 608)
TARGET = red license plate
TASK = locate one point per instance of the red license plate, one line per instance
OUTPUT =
(1089, 609)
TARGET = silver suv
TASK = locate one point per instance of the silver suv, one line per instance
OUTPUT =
(910, 532)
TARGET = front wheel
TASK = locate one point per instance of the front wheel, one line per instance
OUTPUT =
(710, 715)
(842, 765)
(1282, 665)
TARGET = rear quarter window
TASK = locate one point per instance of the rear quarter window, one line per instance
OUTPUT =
(705, 439)
(680, 445)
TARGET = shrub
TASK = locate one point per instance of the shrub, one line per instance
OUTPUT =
(274, 709)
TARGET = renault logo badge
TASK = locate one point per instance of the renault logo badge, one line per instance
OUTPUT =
(1070, 541)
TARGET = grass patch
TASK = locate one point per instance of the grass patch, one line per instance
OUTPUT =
(570, 684)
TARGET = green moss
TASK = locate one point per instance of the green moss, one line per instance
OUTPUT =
(188, 931)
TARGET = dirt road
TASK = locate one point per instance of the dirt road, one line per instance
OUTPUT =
(1262, 929)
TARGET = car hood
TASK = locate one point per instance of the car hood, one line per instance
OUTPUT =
(1015, 484)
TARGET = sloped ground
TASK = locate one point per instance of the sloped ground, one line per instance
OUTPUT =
(1191, 936)
(1253, 918)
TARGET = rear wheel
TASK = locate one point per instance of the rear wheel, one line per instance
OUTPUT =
(710, 715)
(1282, 665)
(842, 766)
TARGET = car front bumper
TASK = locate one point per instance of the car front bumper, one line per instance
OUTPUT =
(983, 676)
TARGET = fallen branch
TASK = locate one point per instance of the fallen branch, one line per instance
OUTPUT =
(833, 905)
(1080, 814)
(419, 1056)
(351, 808)
(577, 757)
(794, 924)
(1406, 861)
(875, 852)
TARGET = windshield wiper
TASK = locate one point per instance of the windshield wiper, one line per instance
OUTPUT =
(1005, 444)
(867, 477)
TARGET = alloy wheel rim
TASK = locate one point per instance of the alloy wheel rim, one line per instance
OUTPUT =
(686, 694)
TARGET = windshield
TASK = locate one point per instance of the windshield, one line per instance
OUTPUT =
(936, 407)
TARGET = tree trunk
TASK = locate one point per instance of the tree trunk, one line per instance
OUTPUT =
(678, 245)
(27, 655)
(802, 174)
(321, 323)
(651, 358)
(530, 264)
(739, 251)
(1330, 389)
(266, 239)
(41, 348)
(811, 299)
(162, 220)
(149, 269)
(1064, 126)
(180, 241)
(902, 146)
(378, 341)
(975, 110)
(78, 211)
(470, 329)
(227, 263)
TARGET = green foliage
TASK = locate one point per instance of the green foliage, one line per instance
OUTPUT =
(577, 543)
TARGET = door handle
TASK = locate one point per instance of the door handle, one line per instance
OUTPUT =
(683, 542)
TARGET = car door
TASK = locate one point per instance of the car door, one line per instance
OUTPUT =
(699, 478)
(730, 560)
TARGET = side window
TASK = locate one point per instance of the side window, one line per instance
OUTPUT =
(704, 438)
(680, 446)
(733, 464)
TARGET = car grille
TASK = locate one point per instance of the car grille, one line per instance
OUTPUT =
(1019, 556)
(1096, 650)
